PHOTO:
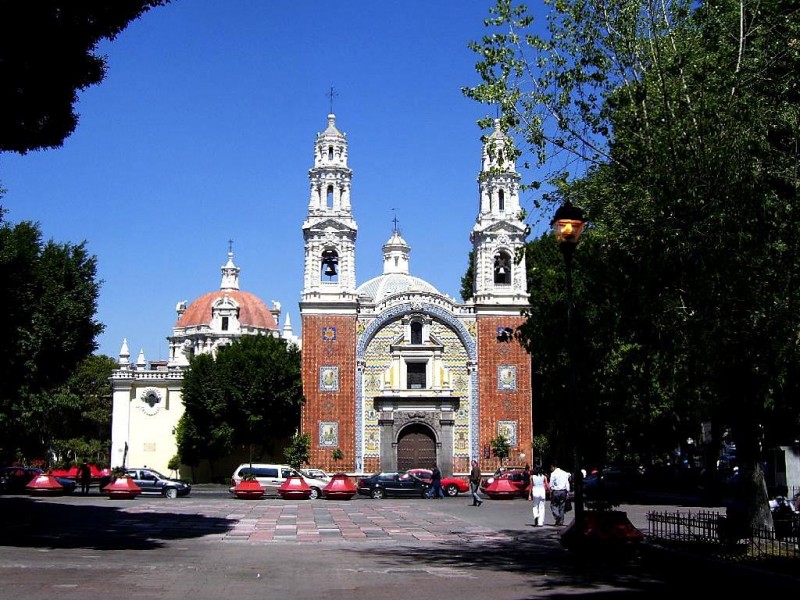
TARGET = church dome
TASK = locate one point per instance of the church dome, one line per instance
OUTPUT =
(395, 278)
(253, 312)
(380, 287)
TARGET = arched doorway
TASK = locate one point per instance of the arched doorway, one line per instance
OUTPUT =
(416, 448)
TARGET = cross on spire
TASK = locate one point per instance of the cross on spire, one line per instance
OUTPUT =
(395, 221)
(230, 246)
(331, 94)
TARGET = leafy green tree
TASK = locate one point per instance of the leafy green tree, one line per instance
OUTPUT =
(48, 329)
(297, 452)
(82, 427)
(204, 431)
(468, 279)
(47, 55)
(249, 396)
(500, 447)
(674, 125)
(263, 389)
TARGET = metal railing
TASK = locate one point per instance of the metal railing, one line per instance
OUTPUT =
(712, 533)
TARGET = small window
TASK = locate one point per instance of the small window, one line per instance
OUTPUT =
(330, 152)
(329, 197)
(416, 376)
(501, 204)
(224, 323)
(416, 332)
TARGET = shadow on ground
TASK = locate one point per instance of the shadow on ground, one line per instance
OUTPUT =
(25, 522)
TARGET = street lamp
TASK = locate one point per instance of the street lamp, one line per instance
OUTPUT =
(568, 224)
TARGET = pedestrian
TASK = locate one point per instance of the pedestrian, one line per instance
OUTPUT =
(538, 495)
(436, 484)
(559, 492)
(526, 480)
(85, 476)
(475, 483)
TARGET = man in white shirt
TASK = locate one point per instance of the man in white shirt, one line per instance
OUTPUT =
(559, 491)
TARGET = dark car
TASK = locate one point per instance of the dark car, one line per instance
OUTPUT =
(13, 480)
(153, 482)
(613, 483)
(392, 485)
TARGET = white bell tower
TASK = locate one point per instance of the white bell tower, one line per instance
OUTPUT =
(499, 230)
(329, 230)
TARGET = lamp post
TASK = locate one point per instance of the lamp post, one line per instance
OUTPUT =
(567, 225)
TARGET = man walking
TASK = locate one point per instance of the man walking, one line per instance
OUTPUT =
(475, 483)
(559, 491)
(436, 492)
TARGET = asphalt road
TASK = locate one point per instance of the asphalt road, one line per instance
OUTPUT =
(210, 546)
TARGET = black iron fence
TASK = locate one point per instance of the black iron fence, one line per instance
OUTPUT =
(714, 534)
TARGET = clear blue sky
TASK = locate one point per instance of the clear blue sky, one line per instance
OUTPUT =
(203, 131)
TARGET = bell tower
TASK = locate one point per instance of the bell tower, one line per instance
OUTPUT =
(500, 295)
(329, 230)
(328, 304)
(499, 230)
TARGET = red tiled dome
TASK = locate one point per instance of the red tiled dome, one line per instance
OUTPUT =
(252, 310)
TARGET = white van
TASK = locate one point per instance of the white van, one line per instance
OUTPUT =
(271, 477)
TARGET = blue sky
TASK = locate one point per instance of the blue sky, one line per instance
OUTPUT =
(203, 131)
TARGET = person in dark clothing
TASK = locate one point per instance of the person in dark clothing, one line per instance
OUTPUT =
(85, 476)
(475, 483)
(436, 484)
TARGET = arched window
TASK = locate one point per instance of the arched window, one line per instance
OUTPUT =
(329, 197)
(330, 263)
(330, 152)
(501, 201)
(502, 268)
(416, 332)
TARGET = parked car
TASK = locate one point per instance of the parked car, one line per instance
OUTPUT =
(392, 485)
(14, 479)
(514, 476)
(313, 473)
(153, 482)
(499, 471)
(452, 486)
(272, 476)
(613, 483)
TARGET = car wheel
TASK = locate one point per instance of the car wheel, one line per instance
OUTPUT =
(452, 490)
(315, 493)
(171, 493)
(377, 493)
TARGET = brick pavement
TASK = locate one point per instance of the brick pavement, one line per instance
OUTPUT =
(313, 522)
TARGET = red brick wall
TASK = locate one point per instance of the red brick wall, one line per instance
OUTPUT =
(330, 406)
(503, 405)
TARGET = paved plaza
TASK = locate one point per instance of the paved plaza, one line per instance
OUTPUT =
(210, 546)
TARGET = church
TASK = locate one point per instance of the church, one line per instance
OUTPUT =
(396, 375)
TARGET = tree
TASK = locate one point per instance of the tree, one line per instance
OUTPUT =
(76, 422)
(500, 447)
(674, 125)
(48, 330)
(47, 55)
(248, 396)
(297, 452)
(204, 431)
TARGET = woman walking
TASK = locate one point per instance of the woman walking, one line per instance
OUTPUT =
(538, 495)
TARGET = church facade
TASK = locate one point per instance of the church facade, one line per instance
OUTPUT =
(396, 375)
